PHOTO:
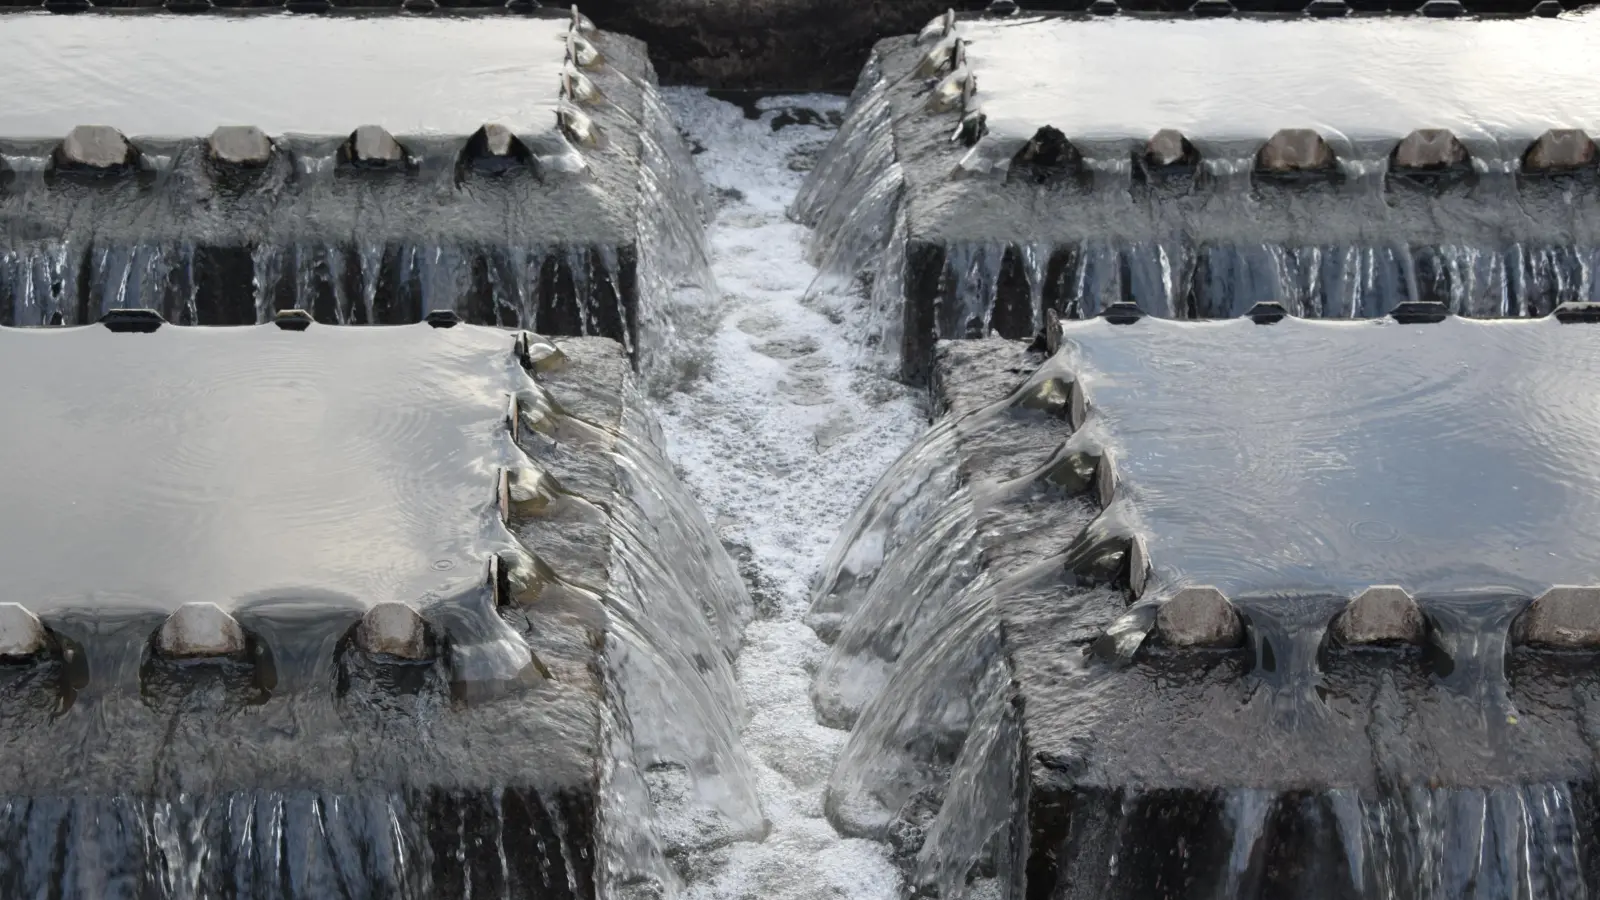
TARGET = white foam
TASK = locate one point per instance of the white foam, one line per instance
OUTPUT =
(779, 447)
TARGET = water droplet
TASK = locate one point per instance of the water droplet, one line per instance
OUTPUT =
(444, 565)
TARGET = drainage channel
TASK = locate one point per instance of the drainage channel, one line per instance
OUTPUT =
(779, 443)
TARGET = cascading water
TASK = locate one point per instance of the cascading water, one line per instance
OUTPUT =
(863, 239)
(562, 201)
(301, 765)
(357, 280)
(974, 615)
(970, 214)
(679, 764)
(996, 749)
(777, 443)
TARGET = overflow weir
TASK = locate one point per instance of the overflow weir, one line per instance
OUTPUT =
(516, 169)
(1336, 167)
(1131, 621)
(1243, 557)
(408, 612)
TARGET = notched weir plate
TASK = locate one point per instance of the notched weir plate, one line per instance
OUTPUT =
(1228, 609)
(367, 169)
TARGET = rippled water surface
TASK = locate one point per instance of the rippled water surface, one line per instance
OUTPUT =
(359, 463)
(281, 73)
(1246, 79)
(1340, 455)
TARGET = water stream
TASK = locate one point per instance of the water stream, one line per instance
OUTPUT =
(778, 445)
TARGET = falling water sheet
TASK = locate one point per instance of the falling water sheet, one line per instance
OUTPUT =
(1227, 80)
(294, 478)
(965, 257)
(1290, 766)
(223, 465)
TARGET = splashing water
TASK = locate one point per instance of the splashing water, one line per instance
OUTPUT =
(778, 444)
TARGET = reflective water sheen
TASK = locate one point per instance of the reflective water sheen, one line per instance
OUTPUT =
(284, 74)
(325, 460)
(1378, 451)
(1227, 79)
(576, 725)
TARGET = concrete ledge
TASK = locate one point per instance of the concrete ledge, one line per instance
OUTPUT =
(394, 629)
(198, 630)
(1385, 614)
(95, 149)
(438, 667)
(1199, 617)
(240, 145)
(1565, 617)
(22, 636)
(1004, 208)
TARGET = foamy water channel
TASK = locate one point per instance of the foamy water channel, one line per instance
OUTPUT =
(779, 442)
